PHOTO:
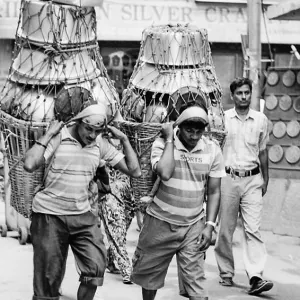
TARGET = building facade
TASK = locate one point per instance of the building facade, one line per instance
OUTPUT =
(225, 22)
(120, 24)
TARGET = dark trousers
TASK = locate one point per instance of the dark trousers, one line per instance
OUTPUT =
(51, 237)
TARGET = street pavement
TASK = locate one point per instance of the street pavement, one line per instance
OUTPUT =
(283, 268)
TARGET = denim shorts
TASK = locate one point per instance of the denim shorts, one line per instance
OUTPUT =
(51, 236)
(158, 242)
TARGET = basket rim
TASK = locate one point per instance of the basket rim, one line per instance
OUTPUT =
(7, 118)
(159, 125)
(142, 124)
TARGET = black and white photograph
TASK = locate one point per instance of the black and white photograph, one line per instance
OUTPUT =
(149, 149)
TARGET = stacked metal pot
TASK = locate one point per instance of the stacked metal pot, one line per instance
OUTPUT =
(174, 67)
(57, 67)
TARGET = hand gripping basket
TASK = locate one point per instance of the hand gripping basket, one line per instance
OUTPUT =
(19, 136)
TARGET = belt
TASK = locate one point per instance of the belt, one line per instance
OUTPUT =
(242, 173)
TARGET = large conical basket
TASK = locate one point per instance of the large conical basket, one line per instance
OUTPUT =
(19, 136)
(56, 72)
(174, 67)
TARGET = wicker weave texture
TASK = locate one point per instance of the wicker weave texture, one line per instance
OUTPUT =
(19, 136)
(174, 68)
(141, 137)
(56, 71)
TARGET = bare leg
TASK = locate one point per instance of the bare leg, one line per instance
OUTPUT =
(139, 218)
(148, 294)
(86, 292)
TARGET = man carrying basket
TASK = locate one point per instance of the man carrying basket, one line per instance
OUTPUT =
(187, 163)
(61, 210)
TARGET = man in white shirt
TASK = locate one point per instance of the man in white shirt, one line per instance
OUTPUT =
(246, 161)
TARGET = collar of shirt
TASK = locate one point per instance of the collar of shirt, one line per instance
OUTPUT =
(178, 144)
(234, 114)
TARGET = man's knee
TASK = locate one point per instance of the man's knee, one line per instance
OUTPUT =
(91, 281)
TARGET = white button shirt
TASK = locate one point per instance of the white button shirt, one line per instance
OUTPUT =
(245, 139)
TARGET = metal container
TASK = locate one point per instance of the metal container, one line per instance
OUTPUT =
(104, 92)
(44, 22)
(37, 67)
(151, 78)
(292, 154)
(180, 45)
(36, 106)
(275, 153)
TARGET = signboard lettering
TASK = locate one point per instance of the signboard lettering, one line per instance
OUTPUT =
(221, 14)
(126, 21)
(146, 13)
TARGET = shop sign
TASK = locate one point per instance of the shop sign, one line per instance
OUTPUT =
(225, 22)
(125, 20)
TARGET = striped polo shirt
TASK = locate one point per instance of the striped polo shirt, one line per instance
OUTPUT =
(245, 139)
(72, 169)
(179, 200)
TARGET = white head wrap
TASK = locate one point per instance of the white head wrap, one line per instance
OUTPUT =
(193, 112)
(93, 115)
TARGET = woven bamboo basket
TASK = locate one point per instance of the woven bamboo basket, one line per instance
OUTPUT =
(56, 71)
(174, 68)
(141, 137)
(19, 136)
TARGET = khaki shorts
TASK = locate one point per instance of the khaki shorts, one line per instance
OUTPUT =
(158, 242)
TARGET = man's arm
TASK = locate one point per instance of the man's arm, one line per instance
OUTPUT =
(212, 209)
(34, 157)
(130, 164)
(263, 154)
(264, 165)
(166, 164)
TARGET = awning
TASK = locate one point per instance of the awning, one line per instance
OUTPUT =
(287, 10)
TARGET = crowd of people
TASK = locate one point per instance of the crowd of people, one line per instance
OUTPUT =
(192, 169)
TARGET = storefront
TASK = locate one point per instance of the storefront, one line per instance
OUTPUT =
(120, 25)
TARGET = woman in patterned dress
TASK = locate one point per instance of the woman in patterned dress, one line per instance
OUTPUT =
(117, 211)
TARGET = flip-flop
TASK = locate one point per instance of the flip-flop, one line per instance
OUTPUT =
(226, 282)
(127, 281)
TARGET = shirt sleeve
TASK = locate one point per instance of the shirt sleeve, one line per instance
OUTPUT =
(102, 163)
(51, 147)
(109, 153)
(264, 134)
(157, 151)
(218, 167)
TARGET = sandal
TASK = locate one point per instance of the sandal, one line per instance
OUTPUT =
(127, 281)
(113, 269)
(227, 281)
